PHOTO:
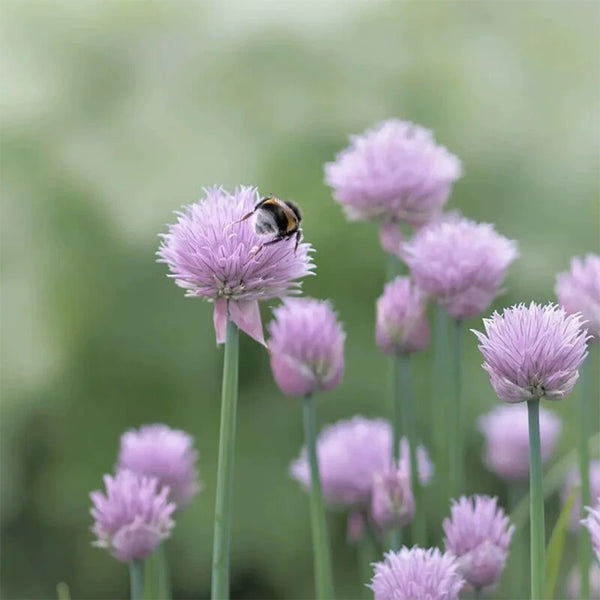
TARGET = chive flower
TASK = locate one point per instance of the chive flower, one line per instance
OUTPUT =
(166, 454)
(402, 325)
(306, 346)
(392, 503)
(394, 172)
(417, 574)
(506, 434)
(574, 582)
(578, 291)
(532, 352)
(573, 480)
(460, 263)
(133, 517)
(592, 523)
(212, 255)
(478, 534)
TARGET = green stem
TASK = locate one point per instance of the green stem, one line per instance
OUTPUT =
(222, 528)
(585, 410)
(321, 553)
(536, 506)
(409, 429)
(394, 536)
(136, 579)
(440, 389)
(368, 553)
(455, 451)
(164, 587)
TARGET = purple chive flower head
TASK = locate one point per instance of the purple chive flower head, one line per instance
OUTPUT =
(532, 352)
(592, 522)
(573, 480)
(355, 527)
(578, 290)
(392, 504)
(214, 256)
(165, 453)
(133, 517)
(393, 172)
(402, 325)
(306, 346)
(462, 264)
(506, 432)
(478, 534)
(417, 574)
(574, 582)
(350, 453)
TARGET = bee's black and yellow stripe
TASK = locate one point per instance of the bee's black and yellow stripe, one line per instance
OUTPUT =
(285, 217)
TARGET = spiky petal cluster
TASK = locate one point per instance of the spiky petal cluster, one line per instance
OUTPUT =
(402, 325)
(578, 290)
(478, 534)
(592, 522)
(417, 574)
(573, 480)
(532, 352)
(213, 256)
(392, 504)
(165, 453)
(506, 434)
(133, 517)
(350, 453)
(393, 172)
(462, 264)
(306, 346)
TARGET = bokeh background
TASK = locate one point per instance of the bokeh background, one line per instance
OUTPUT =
(113, 114)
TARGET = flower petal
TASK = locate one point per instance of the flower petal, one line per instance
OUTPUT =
(246, 315)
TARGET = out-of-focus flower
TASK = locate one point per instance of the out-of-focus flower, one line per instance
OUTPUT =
(393, 172)
(392, 504)
(506, 434)
(573, 480)
(574, 583)
(478, 534)
(355, 527)
(165, 453)
(578, 290)
(402, 325)
(417, 574)
(133, 517)
(532, 352)
(214, 256)
(350, 453)
(592, 522)
(306, 346)
(462, 264)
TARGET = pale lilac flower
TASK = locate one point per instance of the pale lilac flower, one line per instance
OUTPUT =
(165, 453)
(506, 432)
(478, 534)
(460, 263)
(133, 517)
(355, 527)
(572, 480)
(213, 256)
(592, 522)
(532, 352)
(417, 574)
(574, 583)
(393, 172)
(350, 453)
(306, 346)
(578, 291)
(392, 504)
(402, 325)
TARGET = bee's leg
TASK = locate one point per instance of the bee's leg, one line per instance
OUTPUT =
(298, 240)
(241, 220)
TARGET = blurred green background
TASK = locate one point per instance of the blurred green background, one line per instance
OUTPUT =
(113, 114)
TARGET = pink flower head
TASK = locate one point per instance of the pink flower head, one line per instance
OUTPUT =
(165, 453)
(417, 574)
(532, 352)
(477, 533)
(350, 453)
(578, 291)
(133, 517)
(392, 504)
(393, 172)
(214, 256)
(306, 346)
(506, 432)
(573, 480)
(355, 527)
(592, 522)
(402, 325)
(462, 264)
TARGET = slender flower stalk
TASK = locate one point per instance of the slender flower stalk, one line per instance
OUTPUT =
(222, 527)
(455, 449)
(321, 553)
(440, 385)
(136, 579)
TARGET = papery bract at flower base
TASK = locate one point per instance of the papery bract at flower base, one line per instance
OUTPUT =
(214, 256)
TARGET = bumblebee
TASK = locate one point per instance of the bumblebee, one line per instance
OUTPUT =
(278, 218)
